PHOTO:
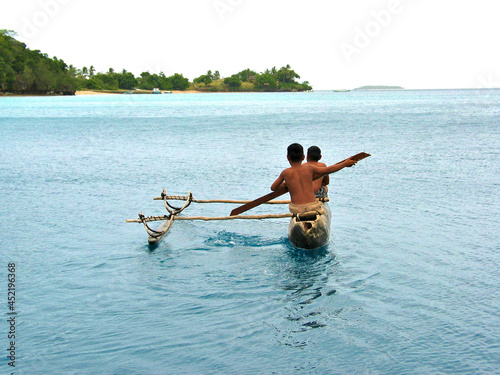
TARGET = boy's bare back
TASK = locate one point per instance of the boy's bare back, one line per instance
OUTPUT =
(299, 180)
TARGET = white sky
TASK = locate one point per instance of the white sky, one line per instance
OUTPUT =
(333, 44)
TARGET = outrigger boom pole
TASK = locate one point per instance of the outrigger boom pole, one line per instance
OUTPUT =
(184, 198)
(207, 218)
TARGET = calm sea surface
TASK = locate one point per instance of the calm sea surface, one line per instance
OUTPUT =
(409, 283)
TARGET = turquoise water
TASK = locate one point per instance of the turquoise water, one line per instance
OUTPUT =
(407, 285)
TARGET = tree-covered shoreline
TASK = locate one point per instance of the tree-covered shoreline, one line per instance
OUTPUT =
(25, 71)
(31, 72)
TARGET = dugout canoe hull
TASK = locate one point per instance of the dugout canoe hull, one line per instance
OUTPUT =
(311, 234)
(152, 241)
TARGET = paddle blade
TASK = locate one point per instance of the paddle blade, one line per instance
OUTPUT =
(258, 201)
(360, 156)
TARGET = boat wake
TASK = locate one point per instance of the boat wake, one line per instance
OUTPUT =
(231, 239)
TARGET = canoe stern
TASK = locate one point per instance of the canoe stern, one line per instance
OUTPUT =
(310, 234)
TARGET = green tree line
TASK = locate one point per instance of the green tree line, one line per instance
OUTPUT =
(282, 79)
(30, 71)
(25, 71)
(111, 80)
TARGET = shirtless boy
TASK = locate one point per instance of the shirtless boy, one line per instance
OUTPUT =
(299, 179)
(320, 185)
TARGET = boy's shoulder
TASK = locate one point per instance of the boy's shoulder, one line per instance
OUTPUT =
(316, 163)
(295, 168)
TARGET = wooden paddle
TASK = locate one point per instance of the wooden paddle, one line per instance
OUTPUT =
(283, 189)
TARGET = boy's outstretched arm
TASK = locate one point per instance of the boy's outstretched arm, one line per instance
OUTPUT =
(321, 171)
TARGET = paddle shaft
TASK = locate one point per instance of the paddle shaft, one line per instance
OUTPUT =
(283, 189)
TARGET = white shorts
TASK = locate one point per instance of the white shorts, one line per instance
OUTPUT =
(301, 208)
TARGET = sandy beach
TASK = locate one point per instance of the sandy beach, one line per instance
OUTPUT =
(186, 92)
(89, 93)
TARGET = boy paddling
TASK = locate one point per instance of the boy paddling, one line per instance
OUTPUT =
(299, 179)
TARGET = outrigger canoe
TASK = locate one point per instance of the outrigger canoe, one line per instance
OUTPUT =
(308, 230)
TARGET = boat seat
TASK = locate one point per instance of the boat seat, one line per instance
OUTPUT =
(307, 216)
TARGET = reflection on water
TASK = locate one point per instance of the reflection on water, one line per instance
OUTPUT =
(305, 277)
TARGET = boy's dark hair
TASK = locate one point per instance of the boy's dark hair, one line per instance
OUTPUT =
(295, 152)
(314, 153)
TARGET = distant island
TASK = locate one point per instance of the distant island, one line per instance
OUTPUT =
(31, 72)
(380, 88)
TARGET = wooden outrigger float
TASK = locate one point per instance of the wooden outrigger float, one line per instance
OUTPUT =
(308, 230)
